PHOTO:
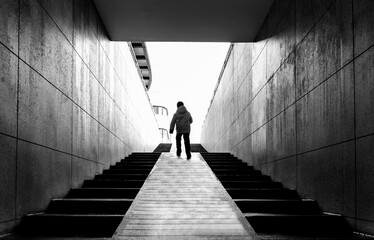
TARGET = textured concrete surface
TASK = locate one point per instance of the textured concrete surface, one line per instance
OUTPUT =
(7, 178)
(182, 199)
(8, 96)
(297, 104)
(71, 100)
(9, 15)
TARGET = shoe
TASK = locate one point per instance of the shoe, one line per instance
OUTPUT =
(188, 157)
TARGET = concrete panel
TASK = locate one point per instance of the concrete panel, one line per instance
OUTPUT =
(328, 175)
(258, 110)
(244, 151)
(9, 10)
(92, 96)
(364, 84)
(8, 89)
(244, 124)
(45, 114)
(7, 178)
(365, 178)
(258, 154)
(363, 25)
(93, 139)
(80, 81)
(6, 227)
(326, 49)
(308, 13)
(282, 41)
(62, 14)
(280, 89)
(93, 17)
(80, 133)
(285, 171)
(82, 170)
(325, 116)
(105, 153)
(81, 27)
(93, 53)
(44, 47)
(259, 73)
(281, 135)
(364, 226)
(244, 91)
(42, 174)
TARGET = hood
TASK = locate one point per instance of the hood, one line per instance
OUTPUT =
(182, 110)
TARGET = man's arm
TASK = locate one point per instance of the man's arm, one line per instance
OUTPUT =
(191, 119)
(172, 124)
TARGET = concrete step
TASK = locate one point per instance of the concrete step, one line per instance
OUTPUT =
(127, 171)
(231, 167)
(244, 193)
(103, 193)
(112, 183)
(89, 206)
(228, 164)
(197, 148)
(122, 176)
(64, 225)
(242, 177)
(236, 171)
(163, 147)
(144, 154)
(135, 163)
(208, 154)
(129, 166)
(220, 158)
(141, 158)
(251, 184)
(278, 206)
(299, 225)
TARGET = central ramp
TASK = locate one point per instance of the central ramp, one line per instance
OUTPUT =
(182, 199)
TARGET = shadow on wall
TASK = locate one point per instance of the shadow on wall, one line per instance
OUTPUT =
(72, 103)
(297, 104)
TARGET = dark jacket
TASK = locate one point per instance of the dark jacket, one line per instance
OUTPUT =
(182, 118)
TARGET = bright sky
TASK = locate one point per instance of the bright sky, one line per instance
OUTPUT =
(186, 72)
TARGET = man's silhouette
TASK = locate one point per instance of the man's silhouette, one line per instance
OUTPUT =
(182, 118)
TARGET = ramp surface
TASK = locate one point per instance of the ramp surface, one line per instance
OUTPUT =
(182, 199)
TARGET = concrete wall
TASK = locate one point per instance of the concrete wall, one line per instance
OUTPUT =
(71, 103)
(298, 104)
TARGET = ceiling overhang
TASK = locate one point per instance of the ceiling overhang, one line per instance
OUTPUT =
(183, 20)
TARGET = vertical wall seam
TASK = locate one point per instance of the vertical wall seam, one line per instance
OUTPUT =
(17, 110)
(295, 89)
(72, 96)
(354, 112)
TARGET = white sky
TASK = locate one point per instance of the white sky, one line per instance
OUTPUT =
(186, 72)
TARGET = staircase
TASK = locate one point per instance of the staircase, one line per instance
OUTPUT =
(97, 208)
(271, 209)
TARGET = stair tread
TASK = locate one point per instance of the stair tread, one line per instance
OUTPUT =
(273, 200)
(95, 199)
(73, 215)
(288, 215)
(91, 189)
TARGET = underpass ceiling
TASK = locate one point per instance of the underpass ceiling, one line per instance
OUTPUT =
(183, 20)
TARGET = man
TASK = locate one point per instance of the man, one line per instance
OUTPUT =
(182, 118)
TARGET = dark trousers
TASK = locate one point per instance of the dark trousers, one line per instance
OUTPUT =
(186, 138)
